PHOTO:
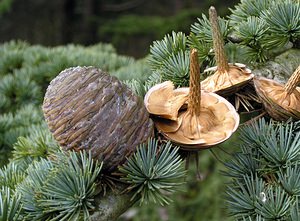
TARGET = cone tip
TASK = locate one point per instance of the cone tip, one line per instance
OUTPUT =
(194, 51)
(212, 9)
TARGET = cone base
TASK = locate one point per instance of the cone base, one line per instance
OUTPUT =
(214, 108)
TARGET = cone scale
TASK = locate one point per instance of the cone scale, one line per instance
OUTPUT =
(87, 109)
(227, 78)
(281, 102)
(209, 119)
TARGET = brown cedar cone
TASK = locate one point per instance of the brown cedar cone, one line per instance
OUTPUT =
(87, 109)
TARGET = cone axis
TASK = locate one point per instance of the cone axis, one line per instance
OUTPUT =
(207, 120)
(227, 78)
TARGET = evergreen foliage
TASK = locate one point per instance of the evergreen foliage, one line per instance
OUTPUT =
(137, 87)
(57, 188)
(68, 181)
(42, 183)
(25, 72)
(265, 179)
(252, 33)
(13, 125)
(153, 171)
(246, 9)
(201, 200)
(62, 186)
(140, 88)
(203, 31)
(170, 58)
(10, 205)
(38, 144)
(11, 175)
(283, 22)
(205, 52)
(271, 24)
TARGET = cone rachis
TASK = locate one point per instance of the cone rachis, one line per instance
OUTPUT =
(228, 78)
(208, 119)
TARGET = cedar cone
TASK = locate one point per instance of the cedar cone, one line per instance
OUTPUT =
(281, 102)
(87, 109)
(209, 119)
(228, 78)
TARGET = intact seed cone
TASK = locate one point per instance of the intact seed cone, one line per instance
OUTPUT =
(87, 109)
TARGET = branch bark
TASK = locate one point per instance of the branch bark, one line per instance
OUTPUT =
(281, 68)
(113, 204)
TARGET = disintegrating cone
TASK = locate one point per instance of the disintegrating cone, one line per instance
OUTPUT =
(228, 78)
(281, 101)
(162, 100)
(208, 119)
(87, 109)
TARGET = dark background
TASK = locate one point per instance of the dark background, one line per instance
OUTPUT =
(130, 25)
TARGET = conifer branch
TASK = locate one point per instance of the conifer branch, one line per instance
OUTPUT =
(152, 172)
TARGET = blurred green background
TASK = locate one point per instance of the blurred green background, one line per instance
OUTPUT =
(130, 26)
